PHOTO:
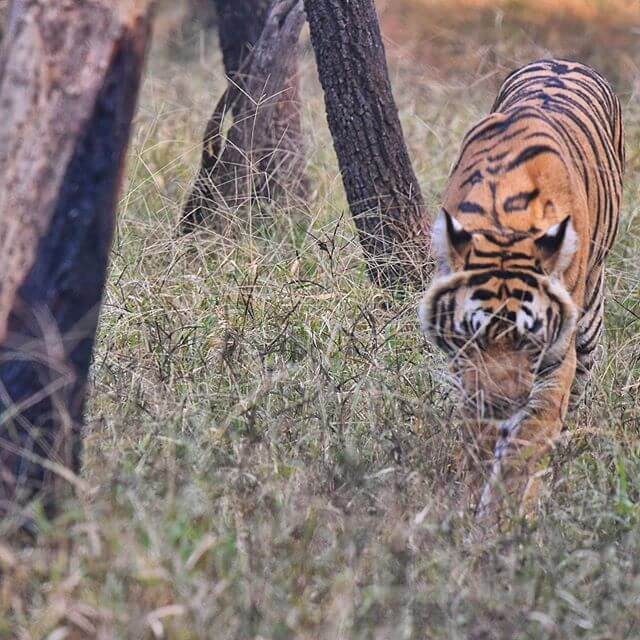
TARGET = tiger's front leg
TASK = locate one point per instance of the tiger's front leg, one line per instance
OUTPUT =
(523, 444)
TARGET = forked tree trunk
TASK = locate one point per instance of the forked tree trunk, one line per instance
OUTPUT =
(70, 73)
(261, 158)
(380, 184)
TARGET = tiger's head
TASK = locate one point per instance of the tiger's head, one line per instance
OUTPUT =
(499, 307)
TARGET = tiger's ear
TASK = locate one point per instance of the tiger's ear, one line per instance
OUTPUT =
(449, 239)
(557, 247)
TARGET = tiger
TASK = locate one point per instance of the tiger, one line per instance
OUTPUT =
(529, 215)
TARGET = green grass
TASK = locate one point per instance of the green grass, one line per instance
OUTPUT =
(270, 449)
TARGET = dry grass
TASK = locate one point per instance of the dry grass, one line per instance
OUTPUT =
(464, 40)
(619, 12)
(271, 449)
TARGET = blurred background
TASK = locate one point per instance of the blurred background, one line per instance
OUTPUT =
(447, 59)
(464, 39)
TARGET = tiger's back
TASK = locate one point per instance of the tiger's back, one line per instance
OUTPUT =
(586, 115)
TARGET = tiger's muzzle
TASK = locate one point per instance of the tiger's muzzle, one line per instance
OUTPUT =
(502, 331)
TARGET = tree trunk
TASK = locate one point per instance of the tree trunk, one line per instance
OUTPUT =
(381, 186)
(4, 12)
(262, 158)
(241, 24)
(70, 76)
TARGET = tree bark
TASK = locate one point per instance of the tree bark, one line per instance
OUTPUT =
(380, 184)
(70, 77)
(261, 159)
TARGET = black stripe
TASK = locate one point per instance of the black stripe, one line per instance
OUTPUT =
(532, 152)
(522, 295)
(502, 255)
(474, 266)
(474, 178)
(588, 346)
(502, 274)
(498, 157)
(470, 207)
(485, 294)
